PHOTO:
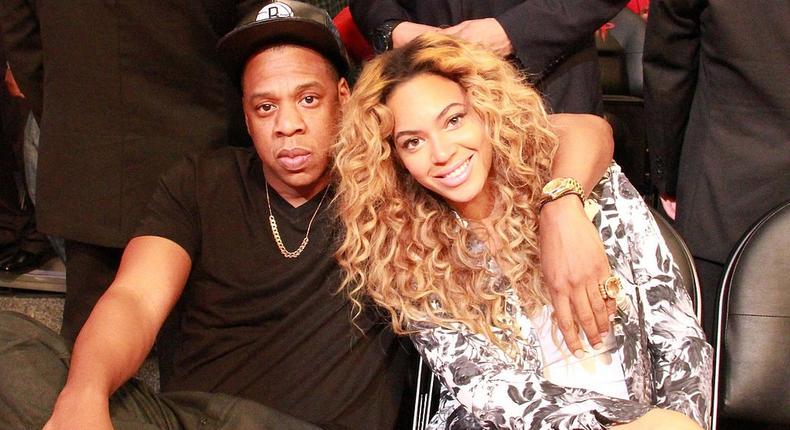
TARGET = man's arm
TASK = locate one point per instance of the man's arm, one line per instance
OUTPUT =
(485, 31)
(539, 32)
(121, 331)
(671, 62)
(542, 32)
(572, 254)
(369, 15)
(22, 42)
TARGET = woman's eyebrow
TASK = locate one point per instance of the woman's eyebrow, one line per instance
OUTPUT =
(441, 114)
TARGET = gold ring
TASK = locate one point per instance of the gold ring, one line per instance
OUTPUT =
(610, 287)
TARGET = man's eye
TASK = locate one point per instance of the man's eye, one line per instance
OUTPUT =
(266, 107)
(309, 100)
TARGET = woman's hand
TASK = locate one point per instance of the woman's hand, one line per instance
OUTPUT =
(573, 262)
(661, 419)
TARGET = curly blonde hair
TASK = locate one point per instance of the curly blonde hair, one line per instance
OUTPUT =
(403, 246)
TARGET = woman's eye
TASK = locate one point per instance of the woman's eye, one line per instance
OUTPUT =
(411, 143)
(455, 120)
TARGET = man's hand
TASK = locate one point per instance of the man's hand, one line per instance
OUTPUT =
(79, 410)
(487, 32)
(669, 204)
(573, 262)
(406, 31)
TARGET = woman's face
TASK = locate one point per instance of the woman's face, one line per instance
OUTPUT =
(442, 142)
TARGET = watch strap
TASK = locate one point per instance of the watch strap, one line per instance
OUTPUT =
(382, 36)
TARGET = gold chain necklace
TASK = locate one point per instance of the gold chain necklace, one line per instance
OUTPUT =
(286, 253)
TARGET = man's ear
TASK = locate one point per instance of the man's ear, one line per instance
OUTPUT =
(343, 91)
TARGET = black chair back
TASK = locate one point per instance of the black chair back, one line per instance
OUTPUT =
(752, 377)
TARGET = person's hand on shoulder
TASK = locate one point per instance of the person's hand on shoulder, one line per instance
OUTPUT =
(574, 263)
(406, 31)
(486, 31)
(80, 410)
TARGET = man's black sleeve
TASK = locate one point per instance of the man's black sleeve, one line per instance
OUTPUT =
(172, 212)
(22, 40)
(370, 14)
(671, 62)
(545, 32)
(542, 32)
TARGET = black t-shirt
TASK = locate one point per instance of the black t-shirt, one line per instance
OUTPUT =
(261, 326)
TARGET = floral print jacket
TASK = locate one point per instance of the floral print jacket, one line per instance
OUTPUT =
(666, 360)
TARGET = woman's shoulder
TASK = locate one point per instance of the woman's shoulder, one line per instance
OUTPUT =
(615, 189)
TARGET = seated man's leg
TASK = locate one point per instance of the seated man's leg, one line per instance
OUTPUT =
(34, 363)
(33, 367)
(196, 410)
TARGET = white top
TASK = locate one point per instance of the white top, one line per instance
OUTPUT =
(600, 371)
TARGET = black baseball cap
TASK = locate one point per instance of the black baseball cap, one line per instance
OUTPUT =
(283, 21)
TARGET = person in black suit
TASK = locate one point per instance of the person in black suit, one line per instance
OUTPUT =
(14, 217)
(717, 98)
(22, 247)
(551, 41)
(121, 90)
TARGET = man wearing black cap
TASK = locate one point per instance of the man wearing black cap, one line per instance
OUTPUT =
(247, 238)
(121, 89)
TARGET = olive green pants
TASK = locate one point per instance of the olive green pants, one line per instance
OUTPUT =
(34, 362)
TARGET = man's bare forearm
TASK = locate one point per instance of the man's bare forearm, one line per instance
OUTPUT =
(113, 343)
(109, 350)
(121, 329)
(585, 149)
(572, 255)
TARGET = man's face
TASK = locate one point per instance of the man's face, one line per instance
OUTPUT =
(292, 99)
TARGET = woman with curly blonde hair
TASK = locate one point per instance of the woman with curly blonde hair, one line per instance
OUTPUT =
(441, 162)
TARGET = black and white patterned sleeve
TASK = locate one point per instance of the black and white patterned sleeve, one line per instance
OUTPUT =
(500, 395)
(681, 358)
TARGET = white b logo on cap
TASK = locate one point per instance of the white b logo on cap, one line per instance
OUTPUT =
(274, 10)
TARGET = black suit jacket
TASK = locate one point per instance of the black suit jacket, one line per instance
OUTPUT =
(552, 39)
(122, 89)
(717, 94)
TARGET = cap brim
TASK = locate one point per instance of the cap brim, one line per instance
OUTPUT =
(241, 43)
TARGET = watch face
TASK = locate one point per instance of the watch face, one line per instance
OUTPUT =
(555, 185)
(382, 39)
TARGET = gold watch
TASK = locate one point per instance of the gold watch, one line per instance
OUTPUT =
(559, 187)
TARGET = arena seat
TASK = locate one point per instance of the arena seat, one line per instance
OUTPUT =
(751, 376)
